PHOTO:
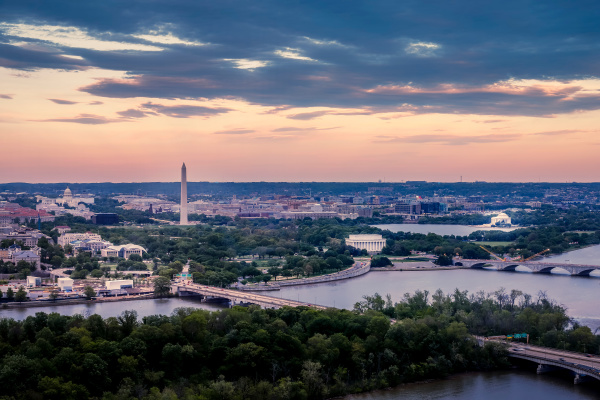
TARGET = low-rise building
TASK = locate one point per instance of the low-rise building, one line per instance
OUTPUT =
(65, 284)
(70, 237)
(123, 251)
(34, 281)
(119, 284)
(26, 255)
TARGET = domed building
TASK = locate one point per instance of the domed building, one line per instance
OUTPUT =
(67, 195)
(501, 219)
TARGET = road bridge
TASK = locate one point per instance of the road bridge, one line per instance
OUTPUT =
(535, 266)
(238, 297)
(584, 366)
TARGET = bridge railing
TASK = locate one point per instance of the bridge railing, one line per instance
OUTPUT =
(590, 370)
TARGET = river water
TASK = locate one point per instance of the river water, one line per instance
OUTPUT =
(578, 294)
(500, 385)
(113, 309)
(457, 230)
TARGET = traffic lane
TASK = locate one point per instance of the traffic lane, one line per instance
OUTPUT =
(592, 362)
(239, 295)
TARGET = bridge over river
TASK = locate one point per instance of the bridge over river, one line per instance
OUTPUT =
(584, 366)
(535, 266)
(237, 296)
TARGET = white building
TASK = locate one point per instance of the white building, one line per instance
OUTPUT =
(123, 251)
(67, 199)
(119, 284)
(65, 284)
(71, 237)
(501, 219)
(34, 281)
(371, 243)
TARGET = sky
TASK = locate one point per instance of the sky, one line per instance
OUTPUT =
(125, 91)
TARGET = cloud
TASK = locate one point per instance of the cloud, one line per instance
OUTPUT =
(289, 129)
(30, 58)
(65, 102)
(86, 119)
(448, 59)
(490, 121)
(69, 36)
(294, 54)
(234, 132)
(563, 132)
(184, 111)
(6, 96)
(163, 37)
(422, 49)
(132, 113)
(453, 140)
(95, 103)
(308, 115)
(244, 63)
(296, 129)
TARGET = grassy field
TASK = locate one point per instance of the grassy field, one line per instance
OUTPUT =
(495, 243)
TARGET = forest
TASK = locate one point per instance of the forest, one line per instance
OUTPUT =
(290, 353)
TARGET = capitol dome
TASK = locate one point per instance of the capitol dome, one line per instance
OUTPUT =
(67, 193)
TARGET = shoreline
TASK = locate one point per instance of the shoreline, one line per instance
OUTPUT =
(48, 303)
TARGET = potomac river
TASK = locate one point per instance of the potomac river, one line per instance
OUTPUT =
(578, 294)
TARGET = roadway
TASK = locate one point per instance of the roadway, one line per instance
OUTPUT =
(556, 355)
(580, 363)
(237, 296)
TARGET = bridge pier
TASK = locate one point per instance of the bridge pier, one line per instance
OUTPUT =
(581, 379)
(543, 368)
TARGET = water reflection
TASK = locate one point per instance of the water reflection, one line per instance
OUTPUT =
(500, 385)
(112, 309)
(457, 230)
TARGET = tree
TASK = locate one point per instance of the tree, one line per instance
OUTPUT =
(266, 278)
(89, 292)
(162, 286)
(21, 295)
(378, 262)
(10, 294)
(54, 294)
(274, 271)
(443, 260)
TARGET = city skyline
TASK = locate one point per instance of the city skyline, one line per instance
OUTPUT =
(122, 92)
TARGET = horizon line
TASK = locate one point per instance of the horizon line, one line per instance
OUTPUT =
(299, 182)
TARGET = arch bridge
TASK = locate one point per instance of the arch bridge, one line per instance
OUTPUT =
(535, 266)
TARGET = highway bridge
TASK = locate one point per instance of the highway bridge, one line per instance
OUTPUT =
(236, 297)
(541, 267)
(585, 366)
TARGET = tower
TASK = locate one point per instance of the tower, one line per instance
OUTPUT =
(183, 211)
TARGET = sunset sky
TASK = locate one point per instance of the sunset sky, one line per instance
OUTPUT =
(125, 91)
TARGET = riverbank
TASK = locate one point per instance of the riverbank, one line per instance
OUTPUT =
(358, 269)
(425, 266)
(71, 302)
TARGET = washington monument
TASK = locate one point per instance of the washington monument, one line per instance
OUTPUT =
(183, 212)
